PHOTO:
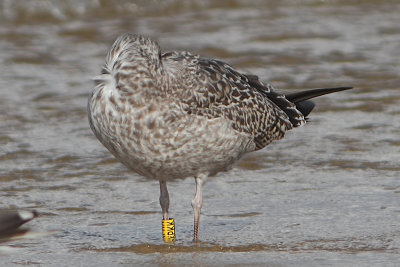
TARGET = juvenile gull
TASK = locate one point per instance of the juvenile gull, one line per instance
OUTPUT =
(173, 115)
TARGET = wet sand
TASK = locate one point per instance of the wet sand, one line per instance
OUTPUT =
(327, 194)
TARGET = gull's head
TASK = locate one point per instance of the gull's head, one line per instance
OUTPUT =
(133, 50)
(133, 62)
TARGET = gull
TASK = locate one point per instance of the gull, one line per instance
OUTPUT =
(12, 219)
(175, 115)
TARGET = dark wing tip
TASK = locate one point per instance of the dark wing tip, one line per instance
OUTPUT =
(308, 94)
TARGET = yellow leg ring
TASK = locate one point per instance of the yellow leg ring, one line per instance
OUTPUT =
(168, 230)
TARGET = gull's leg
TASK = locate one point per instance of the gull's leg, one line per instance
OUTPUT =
(197, 203)
(164, 199)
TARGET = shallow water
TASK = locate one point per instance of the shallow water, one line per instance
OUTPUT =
(328, 194)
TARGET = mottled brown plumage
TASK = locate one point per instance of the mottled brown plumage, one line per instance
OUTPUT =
(214, 89)
(174, 115)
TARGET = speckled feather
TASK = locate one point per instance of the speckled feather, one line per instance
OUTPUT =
(176, 114)
(215, 89)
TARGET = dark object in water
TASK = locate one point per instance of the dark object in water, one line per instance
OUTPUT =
(12, 219)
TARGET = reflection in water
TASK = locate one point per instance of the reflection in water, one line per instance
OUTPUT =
(335, 245)
(329, 190)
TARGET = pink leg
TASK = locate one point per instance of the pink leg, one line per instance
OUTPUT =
(164, 199)
(197, 203)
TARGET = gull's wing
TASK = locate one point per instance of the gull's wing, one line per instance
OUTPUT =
(214, 89)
